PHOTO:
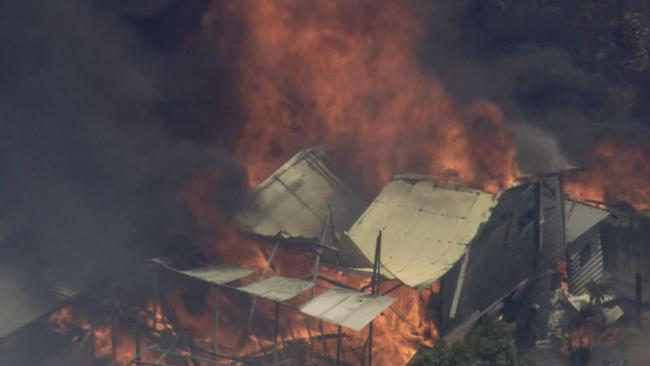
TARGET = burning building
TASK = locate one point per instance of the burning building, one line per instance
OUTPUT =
(471, 251)
(624, 237)
(326, 281)
(389, 87)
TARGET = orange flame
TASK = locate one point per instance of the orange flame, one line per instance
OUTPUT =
(347, 74)
(399, 331)
(617, 172)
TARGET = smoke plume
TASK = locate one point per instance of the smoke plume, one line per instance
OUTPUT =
(100, 130)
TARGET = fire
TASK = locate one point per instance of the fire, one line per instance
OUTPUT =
(103, 341)
(111, 338)
(74, 322)
(62, 319)
(221, 239)
(347, 74)
(399, 332)
(617, 172)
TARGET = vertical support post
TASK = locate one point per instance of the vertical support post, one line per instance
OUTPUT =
(375, 288)
(313, 294)
(275, 334)
(262, 276)
(639, 298)
(315, 273)
(217, 301)
(338, 345)
(565, 245)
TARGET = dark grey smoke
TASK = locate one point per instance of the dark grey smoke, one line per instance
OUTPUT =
(563, 66)
(537, 151)
(101, 110)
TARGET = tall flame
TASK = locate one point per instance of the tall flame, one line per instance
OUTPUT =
(347, 74)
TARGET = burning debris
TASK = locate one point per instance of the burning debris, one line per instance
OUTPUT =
(260, 265)
(304, 293)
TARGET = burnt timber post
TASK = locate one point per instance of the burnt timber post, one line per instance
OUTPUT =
(338, 345)
(375, 290)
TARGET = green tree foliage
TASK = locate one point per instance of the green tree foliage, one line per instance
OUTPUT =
(490, 343)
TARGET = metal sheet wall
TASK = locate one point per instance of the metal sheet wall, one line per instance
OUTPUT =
(585, 261)
(501, 257)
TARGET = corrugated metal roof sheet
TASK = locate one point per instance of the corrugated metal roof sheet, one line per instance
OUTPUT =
(580, 218)
(214, 273)
(277, 288)
(425, 228)
(347, 308)
(585, 261)
(294, 200)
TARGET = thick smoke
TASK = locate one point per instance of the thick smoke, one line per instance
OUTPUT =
(565, 67)
(108, 109)
(100, 130)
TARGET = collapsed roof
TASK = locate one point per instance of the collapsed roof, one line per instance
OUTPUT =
(425, 228)
(299, 200)
(345, 307)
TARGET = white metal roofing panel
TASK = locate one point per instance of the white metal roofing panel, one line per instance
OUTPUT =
(347, 308)
(277, 288)
(24, 297)
(295, 199)
(214, 273)
(21, 303)
(425, 228)
(580, 218)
